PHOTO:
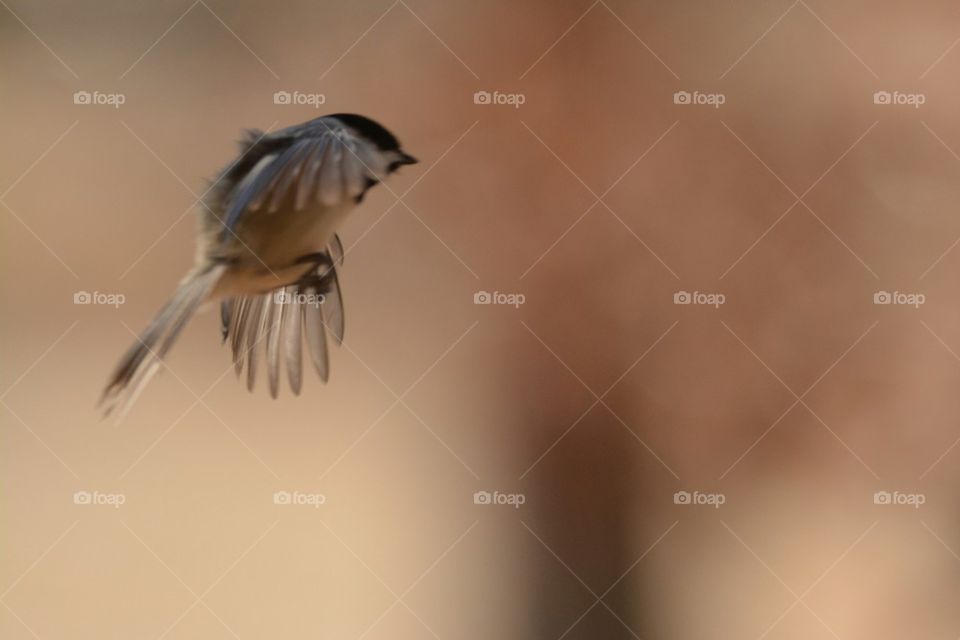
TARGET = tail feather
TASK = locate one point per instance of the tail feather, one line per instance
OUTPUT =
(144, 357)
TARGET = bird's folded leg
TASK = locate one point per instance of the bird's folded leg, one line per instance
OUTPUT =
(322, 276)
(322, 279)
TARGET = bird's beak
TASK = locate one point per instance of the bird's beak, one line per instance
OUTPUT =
(402, 159)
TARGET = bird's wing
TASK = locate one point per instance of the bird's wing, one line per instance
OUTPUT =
(279, 322)
(323, 163)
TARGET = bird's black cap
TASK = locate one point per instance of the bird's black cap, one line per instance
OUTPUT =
(370, 129)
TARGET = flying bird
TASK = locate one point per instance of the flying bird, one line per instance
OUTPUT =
(268, 251)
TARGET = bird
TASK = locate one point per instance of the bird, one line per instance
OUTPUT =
(268, 251)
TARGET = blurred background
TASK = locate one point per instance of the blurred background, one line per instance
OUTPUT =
(713, 393)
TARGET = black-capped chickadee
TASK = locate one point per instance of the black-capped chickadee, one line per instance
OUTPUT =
(268, 250)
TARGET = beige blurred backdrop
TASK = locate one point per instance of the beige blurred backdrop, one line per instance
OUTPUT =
(779, 464)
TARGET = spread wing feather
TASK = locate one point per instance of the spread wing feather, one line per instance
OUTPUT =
(291, 342)
(325, 165)
(285, 320)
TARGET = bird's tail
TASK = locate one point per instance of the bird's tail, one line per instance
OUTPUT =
(143, 359)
